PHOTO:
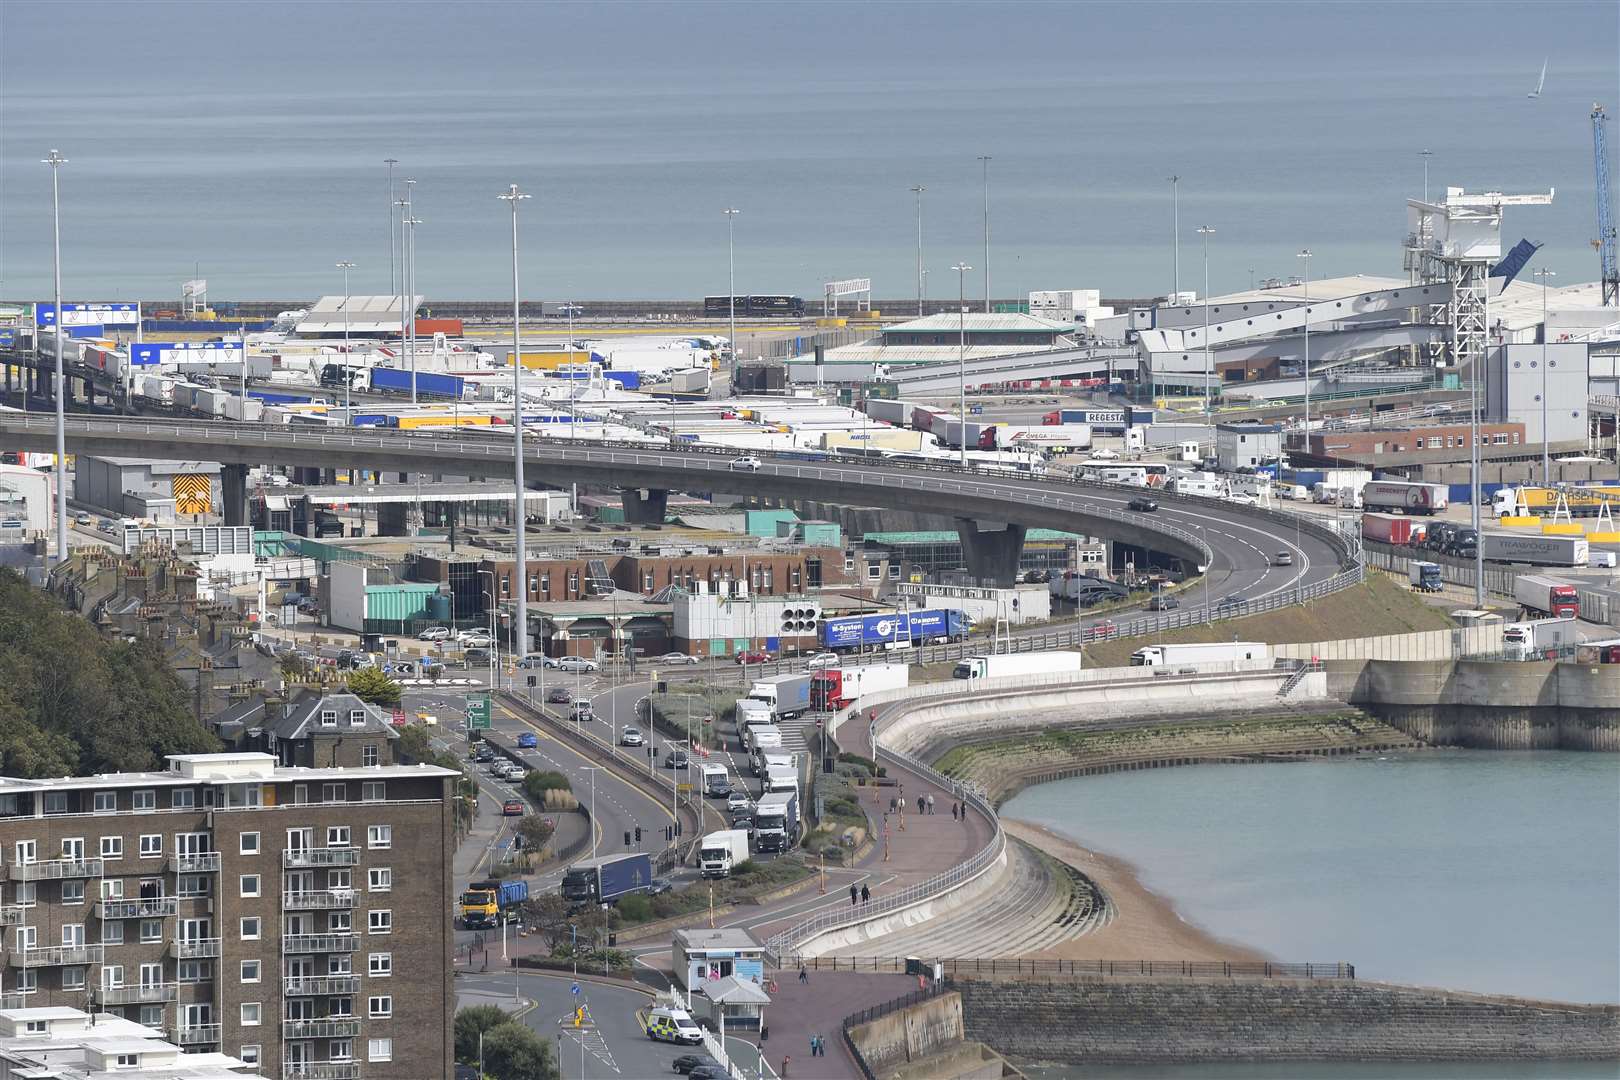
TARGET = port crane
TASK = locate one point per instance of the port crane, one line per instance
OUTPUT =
(1605, 242)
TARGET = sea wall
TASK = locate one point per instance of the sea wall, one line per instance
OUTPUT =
(1488, 705)
(1118, 1021)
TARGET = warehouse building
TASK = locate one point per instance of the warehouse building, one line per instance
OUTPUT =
(161, 491)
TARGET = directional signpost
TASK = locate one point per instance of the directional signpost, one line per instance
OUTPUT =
(478, 715)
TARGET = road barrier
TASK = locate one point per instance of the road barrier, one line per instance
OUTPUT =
(1004, 965)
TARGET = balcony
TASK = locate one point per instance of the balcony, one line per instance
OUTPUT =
(327, 1028)
(321, 899)
(321, 1070)
(194, 948)
(319, 943)
(54, 869)
(157, 907)
(55, 956)
(195, 1035)
(154, 994)
(196, 862)
(11, 914)
(318, 857)
(305, 986)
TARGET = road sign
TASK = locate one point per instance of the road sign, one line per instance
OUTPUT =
(478, 715)
(573, 988)
(683, 787)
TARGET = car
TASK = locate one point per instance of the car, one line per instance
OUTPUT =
(1283, 558)
(1142, 506)
(476, 640)
(676, 658)
(576, 664)
(559, 695)
(434, 633)
(478, 654)
(536, 660)
(481, 755)
(430, 667)
(528, 740)
(823, 660)
(660, 886)
(1231, 601)
(748, 464)
(687, 1062)
(675, 1025)
(582, 710)
(512, 808)
(746, 657)
(675, 759)
(1105, 455)
(82, 519)
(738, 800)
(1104, 630)
(631, 737)
(1164, 603)
(471, 632)
(708, 1072)
(105, 525)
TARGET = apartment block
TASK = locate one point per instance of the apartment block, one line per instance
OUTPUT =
(243, 907)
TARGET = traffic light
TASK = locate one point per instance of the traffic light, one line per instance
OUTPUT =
(638, 834)
(669, 833)
(627, 838)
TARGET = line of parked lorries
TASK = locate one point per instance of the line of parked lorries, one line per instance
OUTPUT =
(1464, 542)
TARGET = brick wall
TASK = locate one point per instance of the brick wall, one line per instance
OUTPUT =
(1142, 1021)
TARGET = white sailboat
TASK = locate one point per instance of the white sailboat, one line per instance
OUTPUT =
(1541, 82)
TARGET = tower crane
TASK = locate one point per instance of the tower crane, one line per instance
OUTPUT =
(1605, 242)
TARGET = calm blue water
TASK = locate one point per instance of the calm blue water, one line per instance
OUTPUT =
(1493, 872)
(251, 150)
(1348, 1070)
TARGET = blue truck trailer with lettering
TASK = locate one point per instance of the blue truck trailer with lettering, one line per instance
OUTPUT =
(915, 627)
(427, 382)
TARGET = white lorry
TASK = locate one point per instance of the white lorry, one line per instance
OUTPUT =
(774, 759)
(752, 711)
(716, 781)
(763, 737)
(1057, 662)
(721, 851)
(1539, 639)
(1204, 653)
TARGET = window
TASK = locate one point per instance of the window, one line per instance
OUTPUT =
(151, 1016)
(328, 718)
(73, 892)
(250, 884)
(112, 847)
(337, 835)
(152, 846)
(250, 928)
(28, 983)
(252, 1011)
(380, 1050)
(379, 836)
(373, 791)
(368, 755)
(874, 571)
(340, 964)
(183, 798)
(192, 885)
(112, 888)
(894, 571)
(379, 879)
(112, 932)
(38, 1027)
(380, 965)
(27, 852)
(56, 802)
(380, 1008)
(145, 800)
(300, 794)
(73, 978)
(338, 879)
(249, 1053)
(126, 1061)
(248, 843)
(106, 802)
(334, 793)
(357, 718)
(250, 971)
(341, 1006)
(151, 930)
(340, 1050)
(340, 922)
(24, 893)
(193, 971)
(73, 934)
(73, 848)
(380, 921)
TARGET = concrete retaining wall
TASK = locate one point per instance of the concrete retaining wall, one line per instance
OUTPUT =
(1103, 1021)
(910, 1034)
(1534, 705)
(1423, 645)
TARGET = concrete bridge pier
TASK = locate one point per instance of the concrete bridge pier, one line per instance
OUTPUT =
(644, 506)
(233, 485)
(990, 549)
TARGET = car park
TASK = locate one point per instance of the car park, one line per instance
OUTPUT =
(434, 633)
(677, 658)
(1142, 506)
(576, 664)
(748, 464)
(631, 737)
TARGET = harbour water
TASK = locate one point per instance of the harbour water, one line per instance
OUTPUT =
(1482, 871)
(1336, 1070)
(254, 156)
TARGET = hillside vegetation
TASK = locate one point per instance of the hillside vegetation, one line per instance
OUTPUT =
(73, 702)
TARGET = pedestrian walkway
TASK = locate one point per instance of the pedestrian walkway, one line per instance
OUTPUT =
(818, 1007)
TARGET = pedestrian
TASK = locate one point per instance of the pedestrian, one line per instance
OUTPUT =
(853, 893)
(964, 811)
(786, 1061)
(804, 973)
(930, 803)
(812, 1045)
(953, 811)
(866, 895)
(891, 804)
(821, 1046)
(920, 804)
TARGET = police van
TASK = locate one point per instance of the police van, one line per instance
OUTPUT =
(673, 1025)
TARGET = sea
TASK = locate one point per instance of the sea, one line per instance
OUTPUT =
(1482, 871)
(250, 152)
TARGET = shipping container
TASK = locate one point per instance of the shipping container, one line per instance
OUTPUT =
(429, 327)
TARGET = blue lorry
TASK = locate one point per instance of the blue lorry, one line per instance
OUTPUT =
(608, 878)
(915, 627)
(427, 382)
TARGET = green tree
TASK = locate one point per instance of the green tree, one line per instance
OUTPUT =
(512, 1051)
(536, 831)
(536, 784)
(369, 684)
(549, 916)
(470, 1023)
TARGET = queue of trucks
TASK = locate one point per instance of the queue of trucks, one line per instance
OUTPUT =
(837, 688)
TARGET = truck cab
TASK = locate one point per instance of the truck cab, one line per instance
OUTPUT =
(716, 781)
(1425, 576)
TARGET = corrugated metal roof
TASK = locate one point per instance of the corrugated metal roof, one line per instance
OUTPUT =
(366, 314)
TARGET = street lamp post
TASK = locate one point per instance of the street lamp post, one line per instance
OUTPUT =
(1206, 231)
(1546, 455)
(1175, 232)
(1425, 154)
(961, 269)
(984, 161)
(1306, 255)
(393, 277)
(348, 375)
(919, 189)
(572, 309)
(410, 298)
(520, 626)
(56, 161)
(592, 769)
(731, 213)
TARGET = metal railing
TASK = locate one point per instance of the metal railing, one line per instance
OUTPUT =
(321, 899)
(195, 1034)
(56, 956)
(319, 943)
(310, 985)
(345, 1028)
(916, 997)
(54, 869)
(11, 914)
(194, 948)
(157, 907)
(196, 862)
(318, 857)
(320, 1070)
(151, 994)
(1012, 965)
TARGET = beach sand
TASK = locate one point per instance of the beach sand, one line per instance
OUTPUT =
(1146, 926)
